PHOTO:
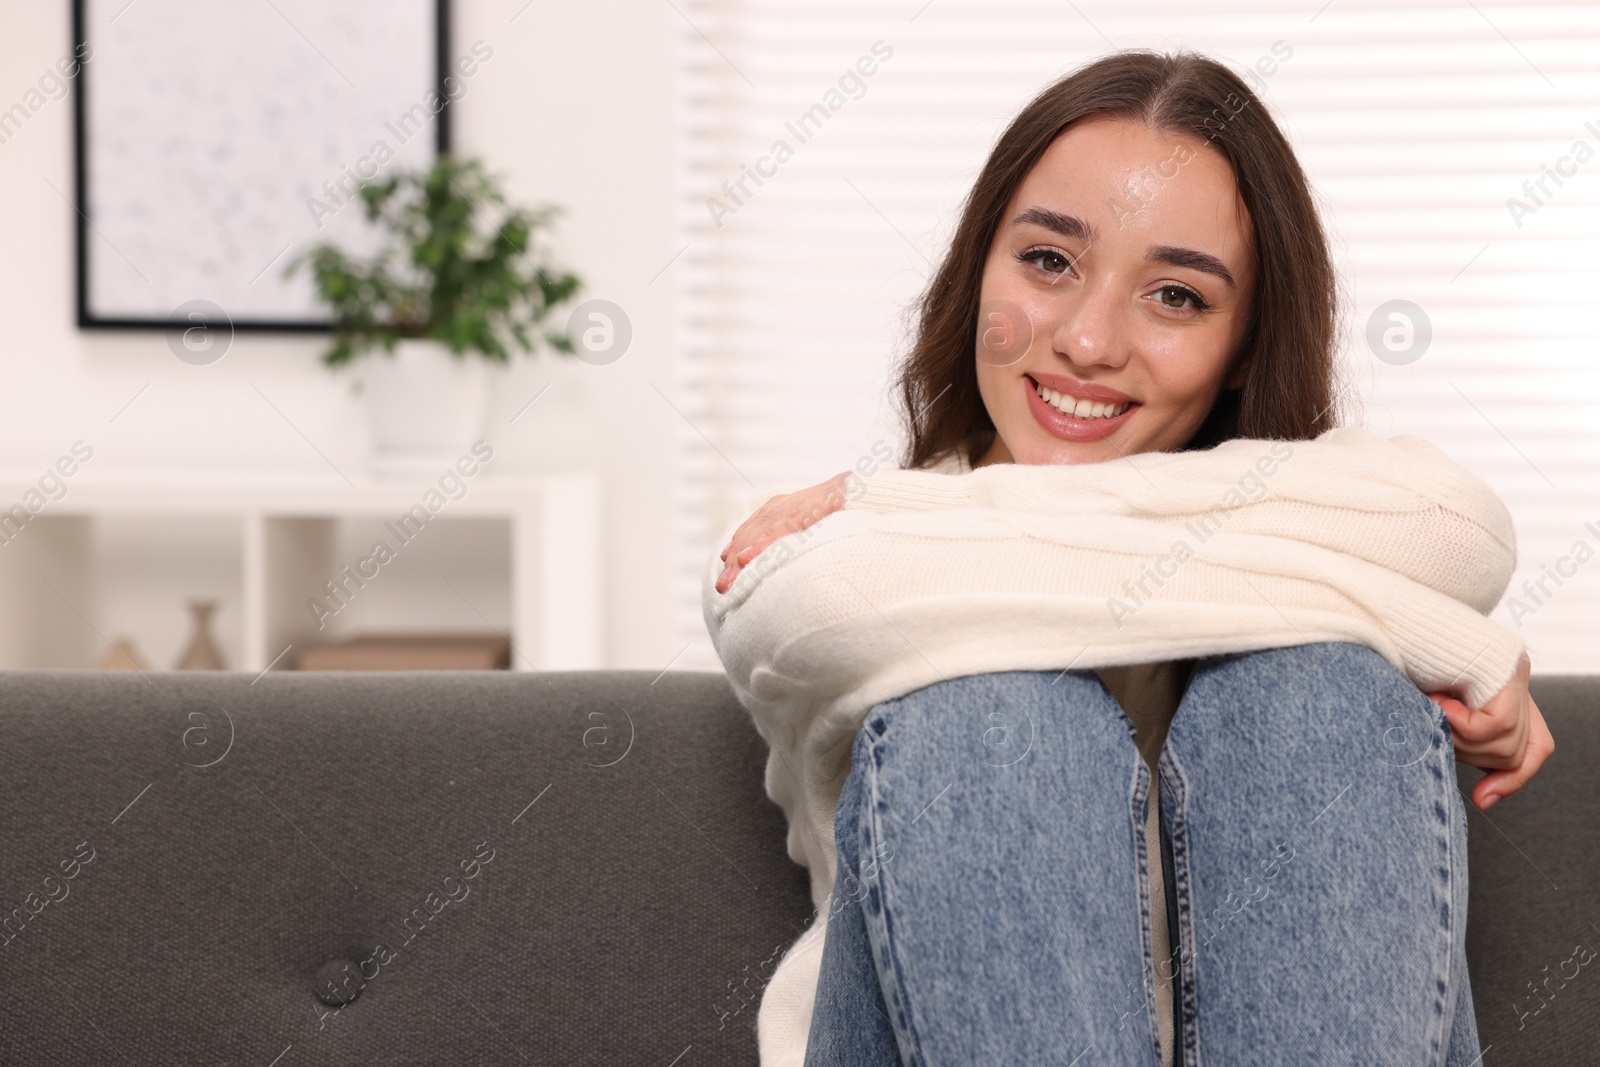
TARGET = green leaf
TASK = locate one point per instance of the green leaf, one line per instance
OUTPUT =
(454, 263)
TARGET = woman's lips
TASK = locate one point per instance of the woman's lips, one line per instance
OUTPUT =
(1070, 427)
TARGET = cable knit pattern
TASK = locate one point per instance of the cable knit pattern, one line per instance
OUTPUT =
(926, 575)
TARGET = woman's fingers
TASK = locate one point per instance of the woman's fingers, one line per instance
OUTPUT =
(1500, 739)
(1496, 784)
(747, 554)
(1488, 738)
(745, 536)
(778, 517)
(729, 573)
(741, 560)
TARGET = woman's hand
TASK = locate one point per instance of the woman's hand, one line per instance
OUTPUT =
(1507, 737)
(782, 515)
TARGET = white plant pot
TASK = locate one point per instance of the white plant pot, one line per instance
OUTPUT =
(425, 407)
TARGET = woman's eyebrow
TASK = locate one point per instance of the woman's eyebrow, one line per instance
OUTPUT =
(1188, 257)
(1057, 222)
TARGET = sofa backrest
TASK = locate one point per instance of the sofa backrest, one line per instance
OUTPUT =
(501, 868)
(572, 868)
(1533, 913)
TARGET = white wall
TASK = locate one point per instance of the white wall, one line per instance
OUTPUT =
(1415, 121)
(575, 107)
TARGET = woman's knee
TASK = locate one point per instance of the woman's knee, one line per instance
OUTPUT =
(1329, 701)
(977, 758)
(985, 720)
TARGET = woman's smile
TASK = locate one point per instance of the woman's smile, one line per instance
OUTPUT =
(1075, 412)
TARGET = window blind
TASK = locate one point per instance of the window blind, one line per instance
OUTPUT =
(1454, 147)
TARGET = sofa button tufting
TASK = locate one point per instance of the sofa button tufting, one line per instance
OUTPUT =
(338, 982)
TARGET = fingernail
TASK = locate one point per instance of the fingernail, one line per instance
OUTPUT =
(1489, 801)
(722, 580)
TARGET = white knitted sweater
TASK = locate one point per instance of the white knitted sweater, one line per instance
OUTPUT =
(933, 574)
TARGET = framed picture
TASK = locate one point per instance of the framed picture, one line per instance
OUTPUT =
(216, 141)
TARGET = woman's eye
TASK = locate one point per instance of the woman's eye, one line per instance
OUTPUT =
(1174, 296)
(1047, 260)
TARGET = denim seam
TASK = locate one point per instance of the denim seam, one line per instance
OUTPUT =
(1146, 936)
(1460, 887)
(1443, 770)
(1178, 837)
(1462, 981)
(876, 912)
(1439, 762)
(1141, 795)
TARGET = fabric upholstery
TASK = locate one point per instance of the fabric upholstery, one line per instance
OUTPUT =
(1534, 876)
(608, 928)
(247, 838)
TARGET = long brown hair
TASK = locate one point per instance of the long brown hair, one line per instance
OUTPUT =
(1287, 353)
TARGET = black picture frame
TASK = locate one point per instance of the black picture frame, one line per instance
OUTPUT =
(89, 321)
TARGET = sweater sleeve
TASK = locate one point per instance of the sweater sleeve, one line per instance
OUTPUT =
(1394, 532)
(1399, 502)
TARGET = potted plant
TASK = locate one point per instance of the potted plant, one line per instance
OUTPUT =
(458, 279)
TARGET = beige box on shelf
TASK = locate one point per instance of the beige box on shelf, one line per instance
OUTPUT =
(410, 652)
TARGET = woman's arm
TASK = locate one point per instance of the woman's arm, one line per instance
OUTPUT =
(1398, 502)
(1444, 544)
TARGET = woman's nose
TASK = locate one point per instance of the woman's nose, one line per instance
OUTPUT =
(1092, 328)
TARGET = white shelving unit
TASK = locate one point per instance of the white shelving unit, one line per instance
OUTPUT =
(121, 552)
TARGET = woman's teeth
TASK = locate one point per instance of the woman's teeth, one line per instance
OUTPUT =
(1079, 409)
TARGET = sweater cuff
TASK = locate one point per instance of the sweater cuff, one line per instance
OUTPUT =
(1450, 647)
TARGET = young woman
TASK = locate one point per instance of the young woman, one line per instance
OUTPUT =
(1140, 269)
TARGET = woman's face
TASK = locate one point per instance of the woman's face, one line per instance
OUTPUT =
(1120, 277)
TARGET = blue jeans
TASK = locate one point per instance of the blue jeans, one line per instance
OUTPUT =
(991, 904)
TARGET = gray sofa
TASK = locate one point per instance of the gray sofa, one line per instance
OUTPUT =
(497, 868)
